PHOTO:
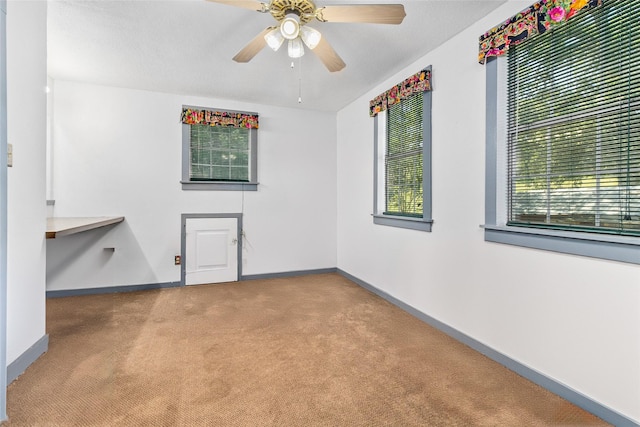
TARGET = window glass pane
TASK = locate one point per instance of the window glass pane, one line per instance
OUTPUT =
(238, 139)
(574, 124)
(219, 158)
(239, 173)
(219, 153)
(404, 185)
(238, 158)
(404, 158)
(219, 172)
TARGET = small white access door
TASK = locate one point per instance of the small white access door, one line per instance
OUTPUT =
(211, 250)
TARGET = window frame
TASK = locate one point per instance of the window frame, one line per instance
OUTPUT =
(188, 184)
(425, 222)
(596, 245)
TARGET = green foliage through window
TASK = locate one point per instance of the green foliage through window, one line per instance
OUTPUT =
(219, 153)
(403, 159)
(574, 124)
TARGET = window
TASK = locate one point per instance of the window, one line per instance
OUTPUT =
(219, 154)
(404, 158)
(563, 137)
(402, 196)
(219, 150)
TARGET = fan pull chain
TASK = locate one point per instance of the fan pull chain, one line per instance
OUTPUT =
(300, 80)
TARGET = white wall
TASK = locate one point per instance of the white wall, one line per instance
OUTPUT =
(574, 319)
(26, 216)
(118, 152)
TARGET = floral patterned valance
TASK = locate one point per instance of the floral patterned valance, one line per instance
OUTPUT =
(419, 82)
(537, 19)
(219, 118)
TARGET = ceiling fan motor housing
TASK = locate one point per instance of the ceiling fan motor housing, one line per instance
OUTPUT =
(305, 9)
(292, 17)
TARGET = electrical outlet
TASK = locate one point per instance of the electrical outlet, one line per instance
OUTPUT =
(177, 260)
(10, 155)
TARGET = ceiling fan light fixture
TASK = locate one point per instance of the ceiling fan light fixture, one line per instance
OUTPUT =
(310, 36)
(295, 49)
(290, 27)
(274, 39)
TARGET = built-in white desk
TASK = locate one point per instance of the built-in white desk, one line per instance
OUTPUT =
(64, 226)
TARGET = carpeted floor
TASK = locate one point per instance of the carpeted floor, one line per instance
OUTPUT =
(305, 351)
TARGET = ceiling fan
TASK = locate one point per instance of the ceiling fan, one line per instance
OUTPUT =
(292, 17)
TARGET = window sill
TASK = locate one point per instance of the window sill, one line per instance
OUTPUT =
(219, 186)
(603, 246)
(419, 224)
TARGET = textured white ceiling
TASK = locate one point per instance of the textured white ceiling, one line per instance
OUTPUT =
(186, 46)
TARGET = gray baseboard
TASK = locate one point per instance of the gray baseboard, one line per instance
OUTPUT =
(18, 366)
(110, 289)
(132, 288)
(573, 396)
(289, 274)
(607, 414)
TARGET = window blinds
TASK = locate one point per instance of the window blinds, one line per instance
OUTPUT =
(403, 160)
(219, 153)
(574, 124)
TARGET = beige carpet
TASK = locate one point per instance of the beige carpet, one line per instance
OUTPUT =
(306, 351)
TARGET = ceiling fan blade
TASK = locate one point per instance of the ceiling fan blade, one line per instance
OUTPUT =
(245, 4)
(369, 13)
(253, 47)
(328, 56)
